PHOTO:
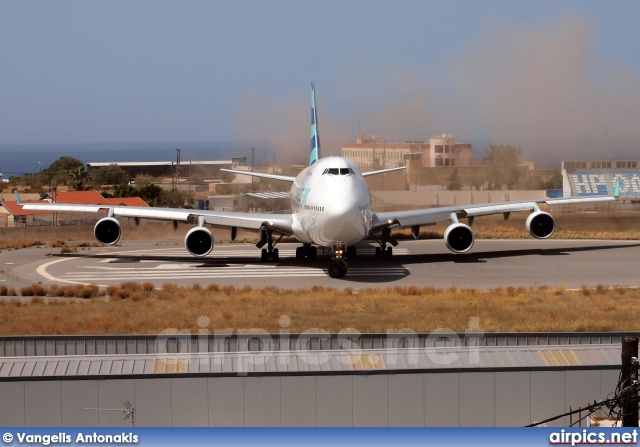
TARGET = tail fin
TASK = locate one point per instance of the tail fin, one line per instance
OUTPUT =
(315, 138)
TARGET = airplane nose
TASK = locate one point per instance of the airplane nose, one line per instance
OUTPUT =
(344, 223)
(340, 207)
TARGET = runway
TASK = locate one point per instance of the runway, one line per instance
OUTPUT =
(490, 264)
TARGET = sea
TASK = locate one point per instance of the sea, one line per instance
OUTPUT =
(18, 159)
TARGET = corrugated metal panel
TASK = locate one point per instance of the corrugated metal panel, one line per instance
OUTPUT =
(228, 342)
(310, 361)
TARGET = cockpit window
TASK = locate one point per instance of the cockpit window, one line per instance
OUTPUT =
(338, 171)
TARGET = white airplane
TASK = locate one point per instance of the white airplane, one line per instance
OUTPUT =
(331, 207)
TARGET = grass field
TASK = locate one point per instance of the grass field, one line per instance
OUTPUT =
(133, 308)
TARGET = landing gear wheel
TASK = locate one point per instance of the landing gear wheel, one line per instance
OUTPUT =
(275, 256)
(389, 252)
(300, 253)
(378, 252)
(312, 252)
(264, 255)
(351, 252)
(337, 271)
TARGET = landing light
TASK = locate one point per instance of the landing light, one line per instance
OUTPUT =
(390, 221)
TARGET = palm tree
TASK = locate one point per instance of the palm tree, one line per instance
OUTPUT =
(78, 178)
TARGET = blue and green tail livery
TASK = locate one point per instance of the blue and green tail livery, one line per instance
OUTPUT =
(315, 138)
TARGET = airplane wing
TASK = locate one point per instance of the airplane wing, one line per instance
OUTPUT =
(260, 174)
(430, 216)
(251, 221)
(382, 171)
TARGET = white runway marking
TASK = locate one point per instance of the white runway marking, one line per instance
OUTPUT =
(193, 271)
(240, 253)
(118, 268)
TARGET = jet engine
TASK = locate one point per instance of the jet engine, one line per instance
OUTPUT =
(199, 241)
(459, 237)
(540, 225)
(107, 231)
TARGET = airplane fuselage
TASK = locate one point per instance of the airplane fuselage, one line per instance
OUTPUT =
(331, 204)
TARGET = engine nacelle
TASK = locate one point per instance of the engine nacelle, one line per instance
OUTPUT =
(107, 231)
(540, 225)
(199, 241)
(459, 237)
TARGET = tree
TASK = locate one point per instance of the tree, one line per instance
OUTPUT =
(145, 180)
(110, 175)
(58, 170)
(64, 163)
(196, 179)
(503, 161)
(454, 181)
(176, 198)
(78, 178)
(554, 182)
(227, 177)
(152, 194)
(125, 190)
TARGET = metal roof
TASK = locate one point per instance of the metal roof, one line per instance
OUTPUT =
(313, 362)
(56, 345)
(157, 163)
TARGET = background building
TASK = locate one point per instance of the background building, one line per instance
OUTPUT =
(442, 150)
(589, 178)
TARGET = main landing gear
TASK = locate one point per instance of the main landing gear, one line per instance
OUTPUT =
(266, 238)
(338, 267)
(306, 251)
(384, 252)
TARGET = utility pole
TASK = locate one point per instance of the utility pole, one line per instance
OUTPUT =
(629, 379)
(253, 150)
(177, 167)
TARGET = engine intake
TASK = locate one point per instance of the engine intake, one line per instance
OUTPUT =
(459, 238)
(199, 241)
(107, 231)
(540, 225)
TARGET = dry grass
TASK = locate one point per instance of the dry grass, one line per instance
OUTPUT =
(14, 244)
(134, 308)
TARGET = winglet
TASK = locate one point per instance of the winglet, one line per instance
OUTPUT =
(18, 201)
(315, 138)
(616, 190)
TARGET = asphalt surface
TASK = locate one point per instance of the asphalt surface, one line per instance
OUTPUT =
(490, 264)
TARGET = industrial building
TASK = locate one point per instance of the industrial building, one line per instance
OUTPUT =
(168, 169)
(304, 379)
(441, 150)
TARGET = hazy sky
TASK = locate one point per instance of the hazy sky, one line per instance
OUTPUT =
(549, 76)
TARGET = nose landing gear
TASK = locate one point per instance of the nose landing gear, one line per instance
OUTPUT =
(338, 267)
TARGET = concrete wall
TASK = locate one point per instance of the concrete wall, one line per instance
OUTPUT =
(427, 198)
(493, 398)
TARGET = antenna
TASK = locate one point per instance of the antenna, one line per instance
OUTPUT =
(128, 410)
